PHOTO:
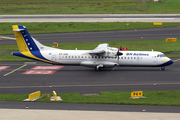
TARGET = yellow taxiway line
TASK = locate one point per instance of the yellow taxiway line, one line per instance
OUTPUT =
(15, 70)
(7, 37)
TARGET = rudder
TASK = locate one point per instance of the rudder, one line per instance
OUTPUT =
(24, 40)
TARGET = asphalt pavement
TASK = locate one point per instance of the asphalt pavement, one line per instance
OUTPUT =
(104, 36)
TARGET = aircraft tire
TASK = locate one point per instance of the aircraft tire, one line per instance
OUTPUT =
(162, 68)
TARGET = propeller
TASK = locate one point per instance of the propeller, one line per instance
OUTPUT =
(119, 53)
(121, 48)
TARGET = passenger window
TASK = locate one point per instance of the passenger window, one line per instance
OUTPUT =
(81, 56)
(121, 57)
(131, 57)
(124, 57)
(128, 57)
(134, 57)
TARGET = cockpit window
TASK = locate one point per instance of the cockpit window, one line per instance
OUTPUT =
(161, 55)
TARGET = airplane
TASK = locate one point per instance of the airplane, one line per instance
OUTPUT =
(101, 57)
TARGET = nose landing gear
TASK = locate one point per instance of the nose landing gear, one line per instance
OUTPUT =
(162, 68)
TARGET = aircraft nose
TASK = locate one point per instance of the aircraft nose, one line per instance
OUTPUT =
(169, 62)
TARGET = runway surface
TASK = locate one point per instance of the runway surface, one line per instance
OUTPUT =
(92, 18)
(88, 107)
(118, 35)
(86, 80)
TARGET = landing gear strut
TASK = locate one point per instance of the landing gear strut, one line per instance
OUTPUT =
(99, 67)
(162, 68)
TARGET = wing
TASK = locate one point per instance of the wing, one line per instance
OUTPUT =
(100, 49)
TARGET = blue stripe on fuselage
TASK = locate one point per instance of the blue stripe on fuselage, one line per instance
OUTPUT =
(169, 62)
(21, 55)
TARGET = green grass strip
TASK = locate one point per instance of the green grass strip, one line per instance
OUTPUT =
(173, 55)
(168, 98)
(34, 28)
(89, 7)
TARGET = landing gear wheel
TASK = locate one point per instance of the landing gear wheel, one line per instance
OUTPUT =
(162, 68)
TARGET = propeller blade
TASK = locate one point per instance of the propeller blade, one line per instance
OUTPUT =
(121, 47)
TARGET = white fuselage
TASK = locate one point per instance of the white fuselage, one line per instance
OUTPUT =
(129, 58)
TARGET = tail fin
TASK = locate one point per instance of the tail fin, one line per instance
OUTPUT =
(24, 41)
(28, 46)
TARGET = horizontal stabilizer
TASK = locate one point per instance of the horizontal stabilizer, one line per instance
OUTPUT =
(18, 28)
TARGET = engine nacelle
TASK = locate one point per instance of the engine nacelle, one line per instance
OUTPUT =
(110, 52)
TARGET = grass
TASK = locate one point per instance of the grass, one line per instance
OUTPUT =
(13, 97)
(88, 7)
(173, 55)
(168, 98)
(141, 45)
(34, 28)
(10, 57)
(165, 6)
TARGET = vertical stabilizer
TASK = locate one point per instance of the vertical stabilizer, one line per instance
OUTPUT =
(24, 40)
(28, 46)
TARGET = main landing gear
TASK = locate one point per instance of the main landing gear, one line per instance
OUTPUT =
(162, 68)
(99, 67)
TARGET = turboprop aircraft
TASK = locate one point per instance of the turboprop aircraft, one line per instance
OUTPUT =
(102, 56)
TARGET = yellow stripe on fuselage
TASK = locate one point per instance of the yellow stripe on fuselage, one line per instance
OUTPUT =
(165, 62)
(29, 54)
(23, 48)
